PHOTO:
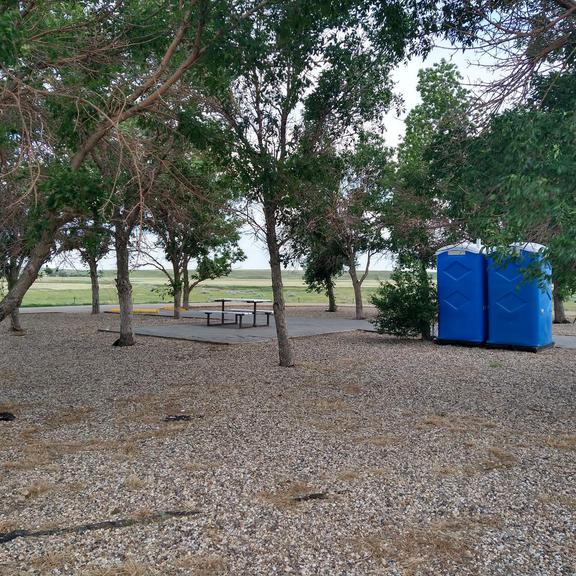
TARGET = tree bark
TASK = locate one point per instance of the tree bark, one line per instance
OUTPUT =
(28, 275)
(93, 265)
(15, 314)
(559, 312)
(285, 352)
(15, 325)
(425, 328)
(177, 289)
(357, 285)
(331, 297)
(123, 286)
(185, 288)
(177, 303)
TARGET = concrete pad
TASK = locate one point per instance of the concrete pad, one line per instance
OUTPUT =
(565, 342)
(297, 327)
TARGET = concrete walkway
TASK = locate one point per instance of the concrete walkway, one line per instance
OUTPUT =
(565, 342)
(297, 326)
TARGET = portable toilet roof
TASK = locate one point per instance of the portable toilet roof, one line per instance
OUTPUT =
(475, 247)
(528, 246)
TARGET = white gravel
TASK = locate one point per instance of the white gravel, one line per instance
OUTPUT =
(372, 456)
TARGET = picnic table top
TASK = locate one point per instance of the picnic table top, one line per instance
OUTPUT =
(251, 300)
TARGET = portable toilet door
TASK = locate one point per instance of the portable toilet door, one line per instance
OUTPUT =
(461, 277)
(519, 309)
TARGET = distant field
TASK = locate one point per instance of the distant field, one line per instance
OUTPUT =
(70, 290)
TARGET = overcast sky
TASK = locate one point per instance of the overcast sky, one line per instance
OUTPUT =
(406, 78)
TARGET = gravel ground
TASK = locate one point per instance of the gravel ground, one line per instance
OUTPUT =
(372, 456)
(567, 329)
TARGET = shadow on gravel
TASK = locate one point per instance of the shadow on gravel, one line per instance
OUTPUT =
(106, 525)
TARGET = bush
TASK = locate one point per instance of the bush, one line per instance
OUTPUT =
(407, 306)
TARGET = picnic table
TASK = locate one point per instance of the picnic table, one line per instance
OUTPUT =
(253, 301)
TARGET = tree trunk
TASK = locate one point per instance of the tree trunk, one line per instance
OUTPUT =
(185, 288)
(177, 289)
(93, 265)
(331, 297)
(559, 312)
(123, 286)
(15, 321)
(15, 314)
(285, 351)
(425, 328)
(26, 278)
(357, 285)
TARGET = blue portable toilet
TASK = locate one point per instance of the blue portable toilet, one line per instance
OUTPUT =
(519, 310)
(461, 277)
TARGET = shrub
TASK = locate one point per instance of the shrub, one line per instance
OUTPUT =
(407, 305)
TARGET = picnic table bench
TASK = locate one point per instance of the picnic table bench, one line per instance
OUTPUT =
(268, 313)
(235, 315)
(254, 312)
(208, 314)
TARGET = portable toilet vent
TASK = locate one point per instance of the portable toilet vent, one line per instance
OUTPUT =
(519, 308)
(461, 277)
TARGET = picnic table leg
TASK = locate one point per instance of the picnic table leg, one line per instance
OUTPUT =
(222, 311)
(254, 314)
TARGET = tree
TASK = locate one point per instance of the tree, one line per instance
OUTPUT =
(418, 211)
(305, 75)
(14, 244)
(191, 222)
(516, 183)
(407, 305)
(89, 68)
(355, 210)
(46, 48)
(210, 266)
(92, 239)
(128, 207)
(554, 94)
(322, 266)
(312, 247)
(524, 39)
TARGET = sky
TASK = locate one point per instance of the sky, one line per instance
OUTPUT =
(406, 78)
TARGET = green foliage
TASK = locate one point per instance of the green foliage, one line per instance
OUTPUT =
(90, 237)
(346, 214)
(296, 80)
(210, 267)
(323, 265)
(418, 212)
(407, 306)
(10, 34)
(516, 180)
(67, 188)
(192, 222)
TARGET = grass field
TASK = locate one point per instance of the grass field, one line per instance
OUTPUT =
(70, 290)
(148, 284)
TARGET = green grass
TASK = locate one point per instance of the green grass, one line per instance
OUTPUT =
(70, 290)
